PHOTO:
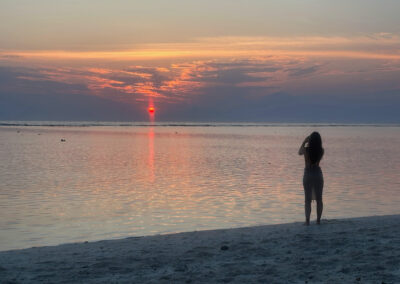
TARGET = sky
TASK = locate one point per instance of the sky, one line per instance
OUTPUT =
(262, 61)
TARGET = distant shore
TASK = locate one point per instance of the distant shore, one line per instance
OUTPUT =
(357, 250)
(22, 124)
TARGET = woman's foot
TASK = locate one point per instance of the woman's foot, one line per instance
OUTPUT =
(319, 222)
(307, 223)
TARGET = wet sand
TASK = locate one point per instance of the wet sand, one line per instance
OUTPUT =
(357, 250)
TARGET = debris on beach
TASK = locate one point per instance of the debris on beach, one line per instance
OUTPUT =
(224, 247)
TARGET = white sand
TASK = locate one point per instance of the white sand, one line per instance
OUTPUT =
(362, 250)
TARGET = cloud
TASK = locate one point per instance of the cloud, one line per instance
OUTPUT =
(370, 46)
(27, 99)
(253, 87)
(168, 84)
(301, 71)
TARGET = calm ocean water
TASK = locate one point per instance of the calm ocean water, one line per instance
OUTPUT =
(115, 181)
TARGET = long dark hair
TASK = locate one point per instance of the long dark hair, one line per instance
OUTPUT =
(315, 149)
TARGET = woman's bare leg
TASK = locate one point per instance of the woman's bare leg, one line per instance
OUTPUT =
(320, 207)
(307, 208)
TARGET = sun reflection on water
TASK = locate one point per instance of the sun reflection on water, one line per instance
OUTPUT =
(150, 136)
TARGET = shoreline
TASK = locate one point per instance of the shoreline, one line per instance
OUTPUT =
(353, 250)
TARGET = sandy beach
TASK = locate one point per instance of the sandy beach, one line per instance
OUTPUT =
(358, 250)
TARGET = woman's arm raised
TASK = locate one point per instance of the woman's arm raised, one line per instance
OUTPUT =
(302, 148)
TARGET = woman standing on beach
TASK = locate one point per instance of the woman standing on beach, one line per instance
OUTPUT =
(313, 180)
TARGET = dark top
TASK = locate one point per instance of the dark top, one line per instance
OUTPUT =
(307, 159)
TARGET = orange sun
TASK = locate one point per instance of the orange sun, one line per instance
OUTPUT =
(151, 109)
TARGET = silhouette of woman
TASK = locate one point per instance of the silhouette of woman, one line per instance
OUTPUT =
(313, 180)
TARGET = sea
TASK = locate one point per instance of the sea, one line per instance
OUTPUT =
(64, 182)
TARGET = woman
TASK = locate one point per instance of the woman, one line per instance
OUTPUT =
(313, 181)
